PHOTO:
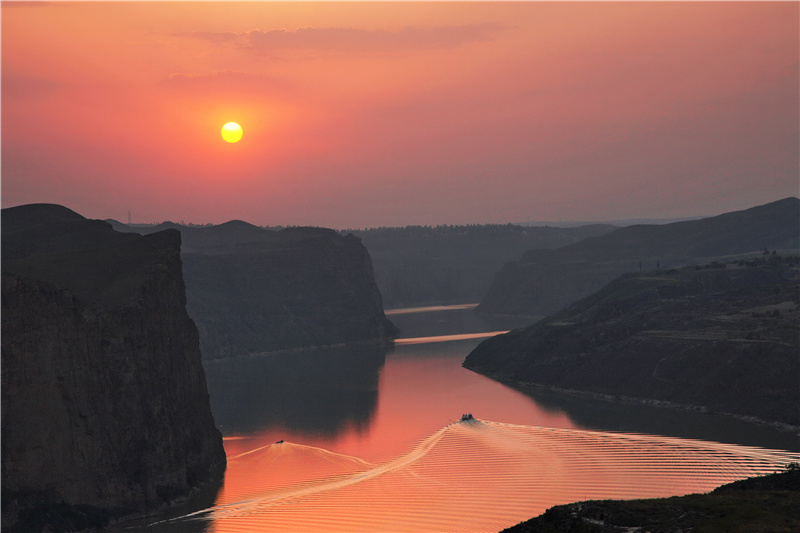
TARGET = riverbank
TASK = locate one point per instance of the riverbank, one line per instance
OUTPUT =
(719, 338)
(532, 388)
(760, 504)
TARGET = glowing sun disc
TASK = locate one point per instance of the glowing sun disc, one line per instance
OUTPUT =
(231, 132)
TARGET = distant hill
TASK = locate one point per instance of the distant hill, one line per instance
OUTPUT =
(762, 504)
(721, 337)
(542, 282)
(424, 265)
(614, 222)
(254, 290)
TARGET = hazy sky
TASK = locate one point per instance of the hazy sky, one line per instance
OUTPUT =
(385, 114)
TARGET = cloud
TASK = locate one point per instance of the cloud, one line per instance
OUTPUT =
(231, 80)
(31, 3)
(355, 40)
(210, 36)
(27, 87)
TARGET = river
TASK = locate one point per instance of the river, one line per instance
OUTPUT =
(361, 439)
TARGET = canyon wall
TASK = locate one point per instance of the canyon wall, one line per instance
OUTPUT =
(105, 410)
(252, 290)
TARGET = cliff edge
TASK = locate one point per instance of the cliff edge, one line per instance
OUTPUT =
(253, 290)
(105, 410)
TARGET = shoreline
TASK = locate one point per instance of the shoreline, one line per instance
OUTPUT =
(530, 388)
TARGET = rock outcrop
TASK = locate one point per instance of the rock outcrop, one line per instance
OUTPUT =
(767, 503)
(542, 282)
(721, 337)
(252, 290)
(105, 410)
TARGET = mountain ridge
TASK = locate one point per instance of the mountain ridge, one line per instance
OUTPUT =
(542, 282)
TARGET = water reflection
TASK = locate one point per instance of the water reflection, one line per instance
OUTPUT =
(170, 520)
(373, 442)
(585, 412)
(448, 338)
(478, 476)
(598, 414)
(450, 320)
(317, 392)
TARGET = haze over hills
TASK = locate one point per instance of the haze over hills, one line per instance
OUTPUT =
(614, 222)
(424, 265)
(252, 290)
(104, 398)
(541, 282)
(721, 337)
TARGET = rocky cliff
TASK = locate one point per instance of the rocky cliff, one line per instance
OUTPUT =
(722, 337)
(253, 290)
(105, 410)
(542, 282)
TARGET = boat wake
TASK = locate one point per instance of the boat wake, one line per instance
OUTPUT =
(471, 475)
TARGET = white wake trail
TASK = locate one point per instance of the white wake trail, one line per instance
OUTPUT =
(476, 476)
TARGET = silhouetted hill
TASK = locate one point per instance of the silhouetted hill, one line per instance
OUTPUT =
(46, 228)
(423, 265)
(756, 505)
(253, 290)
(543, 281)
(105, 410)
(724, 337)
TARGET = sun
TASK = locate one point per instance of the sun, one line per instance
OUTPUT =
(231, 132)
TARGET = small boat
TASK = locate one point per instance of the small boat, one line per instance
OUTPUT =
(466, 417)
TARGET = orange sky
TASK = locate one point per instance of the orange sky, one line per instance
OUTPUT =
(383, 114)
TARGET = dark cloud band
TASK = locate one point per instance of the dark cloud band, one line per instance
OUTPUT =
(351, 39)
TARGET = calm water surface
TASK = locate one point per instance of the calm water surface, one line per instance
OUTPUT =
(358, 439)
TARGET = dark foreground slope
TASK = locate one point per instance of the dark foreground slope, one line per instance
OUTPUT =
(722, 337)
(542, 282)
(756, 505)
(253, 290)
(105, 410)
(424, 265)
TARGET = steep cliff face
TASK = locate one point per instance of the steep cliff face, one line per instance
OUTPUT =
(105, 409)
(252, 290)
(542, 282)
(725, 337)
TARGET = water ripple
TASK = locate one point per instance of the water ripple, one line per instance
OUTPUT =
(469, 476)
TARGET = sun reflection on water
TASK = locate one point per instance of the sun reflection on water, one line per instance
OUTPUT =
(348, 441)
(468, 476)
